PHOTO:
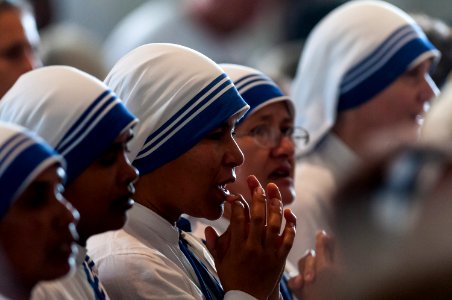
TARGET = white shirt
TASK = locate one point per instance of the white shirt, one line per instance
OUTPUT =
(73, 286)
(143, 260)
(317, 177)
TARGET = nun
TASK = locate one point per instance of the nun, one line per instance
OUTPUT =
(186, 154)
(37, 224)
(90, 127)
(361, 84)
(268, 138)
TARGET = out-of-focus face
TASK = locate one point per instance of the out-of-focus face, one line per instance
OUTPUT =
(194, 183)
(401, 103)
(19, 40)
(38, 231)
(269, 164)
(103, 192)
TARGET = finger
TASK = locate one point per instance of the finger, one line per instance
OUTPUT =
(296, 284)
(211, 240)
(324, 249)
(309, 267)
(237, 197)
(258, 209)
(274, 215)
(288, 234)
(238, 224)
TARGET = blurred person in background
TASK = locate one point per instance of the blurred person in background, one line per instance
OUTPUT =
(356, 78)
(224, 30)
(19, 40)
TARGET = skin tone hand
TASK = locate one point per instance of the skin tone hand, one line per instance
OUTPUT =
(250, 256)
(317, 270)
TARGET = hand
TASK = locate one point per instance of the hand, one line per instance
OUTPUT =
(250, 256)
(317, 271)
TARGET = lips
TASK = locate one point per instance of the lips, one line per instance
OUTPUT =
(283, 171)
(125, 203)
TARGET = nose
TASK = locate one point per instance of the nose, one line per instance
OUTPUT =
(233, 156)
(66, 216)
(129, 172)
(30, 60)
(285, 148)
(428, 89)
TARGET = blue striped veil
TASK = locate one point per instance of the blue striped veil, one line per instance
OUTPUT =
(23, 156)
(74, 112)
(178, 94)
(354, 53)
(256, 88)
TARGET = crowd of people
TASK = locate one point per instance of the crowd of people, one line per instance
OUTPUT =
(188, 174)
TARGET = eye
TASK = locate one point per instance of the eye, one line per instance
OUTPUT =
(287, 131)
(216, 134)
(260, 130)
(109, 157)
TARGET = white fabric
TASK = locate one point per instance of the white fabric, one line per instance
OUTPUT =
(143, 260)
(18, 166)
(54, 107)
(317, 175)
(256, 88)
(168, 21)
(70, 109)
(340, 41)
(170, 88)
(73, 286)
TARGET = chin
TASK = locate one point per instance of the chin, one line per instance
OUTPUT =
(288, 196)
(213, 214)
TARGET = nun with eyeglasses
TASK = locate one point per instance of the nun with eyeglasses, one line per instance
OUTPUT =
(363, 75)
(37, 224)
(90, 127)
(186, 154)
(268, 139)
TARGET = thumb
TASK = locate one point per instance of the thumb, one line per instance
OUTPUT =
(211, 240)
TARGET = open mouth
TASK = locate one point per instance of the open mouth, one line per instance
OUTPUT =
(279, 173)
(224, 190)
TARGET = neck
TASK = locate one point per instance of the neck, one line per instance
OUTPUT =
(148, 200)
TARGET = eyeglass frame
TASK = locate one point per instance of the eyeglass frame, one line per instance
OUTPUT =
(278, 136)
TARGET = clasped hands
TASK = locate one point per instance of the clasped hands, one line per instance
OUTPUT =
(250, 256)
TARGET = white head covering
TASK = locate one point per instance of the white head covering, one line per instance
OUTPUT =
(23, 156)
(74, 112)
(178, 94)
(354, 53)
(257, 89)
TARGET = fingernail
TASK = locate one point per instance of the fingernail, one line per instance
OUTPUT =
(308, 276)
(260, 191)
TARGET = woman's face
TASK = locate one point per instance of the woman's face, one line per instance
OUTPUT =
(269, 164)
(401, 103)
(103, 192)
(38, 231)
(194, 183)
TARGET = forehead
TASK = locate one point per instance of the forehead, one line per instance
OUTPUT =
(16, 27)
(277, 111)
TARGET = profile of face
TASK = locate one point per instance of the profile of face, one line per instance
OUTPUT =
(268, 163)
(38, 230)
(19, 41)
(401, 103)
(103, 192)
(195, 182)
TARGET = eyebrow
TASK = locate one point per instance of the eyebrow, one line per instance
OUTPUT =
(269, 117)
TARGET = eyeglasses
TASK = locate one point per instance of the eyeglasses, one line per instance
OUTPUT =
(269, 137)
